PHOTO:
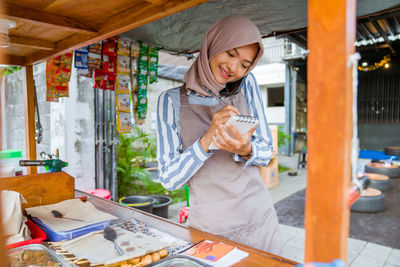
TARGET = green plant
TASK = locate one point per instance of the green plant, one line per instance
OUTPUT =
(282, 168)
(134, 150)
(283, 138)
(8, 70)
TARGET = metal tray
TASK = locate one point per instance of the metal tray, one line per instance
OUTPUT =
(179, 261)
(52, 255)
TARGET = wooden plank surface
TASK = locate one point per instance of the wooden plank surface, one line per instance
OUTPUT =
(331, 34)
(41, 189)
(256, 257)
(37, 17)
(124, 21)
(29, 110)
(12, 60)
(32, 43)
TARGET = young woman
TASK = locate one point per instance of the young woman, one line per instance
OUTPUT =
(227, 196)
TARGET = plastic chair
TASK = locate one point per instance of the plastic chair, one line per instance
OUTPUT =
(184, 213)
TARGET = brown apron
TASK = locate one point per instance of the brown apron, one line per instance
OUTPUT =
(226, 199)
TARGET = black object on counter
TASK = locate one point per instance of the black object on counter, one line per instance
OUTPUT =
(160, 207)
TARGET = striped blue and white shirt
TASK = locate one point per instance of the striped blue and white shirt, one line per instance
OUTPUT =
(176, 166)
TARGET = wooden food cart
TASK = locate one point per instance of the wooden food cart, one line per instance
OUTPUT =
(50, 28)
(50, 188)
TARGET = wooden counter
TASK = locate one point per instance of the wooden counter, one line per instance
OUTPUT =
(50, 188)
(256, 257)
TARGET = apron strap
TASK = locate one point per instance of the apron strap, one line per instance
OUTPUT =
(183, 94)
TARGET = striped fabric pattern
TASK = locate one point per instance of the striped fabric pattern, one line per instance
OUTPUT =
(176, 166)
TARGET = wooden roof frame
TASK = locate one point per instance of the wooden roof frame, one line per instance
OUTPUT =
(329, 117)
(85, 33)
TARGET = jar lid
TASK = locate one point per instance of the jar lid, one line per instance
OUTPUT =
(12, 153)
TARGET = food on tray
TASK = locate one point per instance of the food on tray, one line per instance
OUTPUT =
(31, 257)
(141, 261)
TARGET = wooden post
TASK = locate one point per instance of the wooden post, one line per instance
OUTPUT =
(331, 34)
(29, 108)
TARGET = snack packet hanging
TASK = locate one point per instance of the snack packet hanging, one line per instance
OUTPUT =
(153, 64)
(124, 122)
(123, 102)
(94, 56)
(109, 47)
(81, 58)
(135, 49)
(141, 109)
(109, 62)
(143, 59)
(123, 64)
(122, 83)
(124, 47)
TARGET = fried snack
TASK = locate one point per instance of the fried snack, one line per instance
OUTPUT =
(163, 253)
(135, 260)
(33, 257)
(155, 256)
(146, 260)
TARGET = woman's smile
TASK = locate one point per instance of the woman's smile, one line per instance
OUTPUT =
(224, 73)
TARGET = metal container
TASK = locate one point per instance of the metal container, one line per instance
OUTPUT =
(17, 253)
(179, 261)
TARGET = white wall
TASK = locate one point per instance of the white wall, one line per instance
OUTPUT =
(267, 76)
(271, 74)
(67, 125)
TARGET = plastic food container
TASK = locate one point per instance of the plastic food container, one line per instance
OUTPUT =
(34, 255)
(9, 162)
(68, 235)
(37, 235)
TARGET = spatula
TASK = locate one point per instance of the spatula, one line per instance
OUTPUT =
(110, 234)
(58, 214)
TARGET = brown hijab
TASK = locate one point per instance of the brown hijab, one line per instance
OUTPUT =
(227, 33)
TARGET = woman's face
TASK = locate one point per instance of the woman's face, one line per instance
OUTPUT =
(231, 65)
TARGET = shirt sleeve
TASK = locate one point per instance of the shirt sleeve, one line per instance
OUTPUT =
(261, 141)
(176, 167)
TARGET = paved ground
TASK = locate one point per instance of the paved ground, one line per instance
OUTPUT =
(360, 253)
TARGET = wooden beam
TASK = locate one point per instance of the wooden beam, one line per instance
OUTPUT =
(11, 60)
(33, 16)
(156, 2)
(29, 110)
(383, 34)
(32, 43)
(331, 36)
(117, 24)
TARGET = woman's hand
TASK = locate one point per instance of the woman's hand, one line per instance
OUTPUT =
(218, 119)
(238, 143)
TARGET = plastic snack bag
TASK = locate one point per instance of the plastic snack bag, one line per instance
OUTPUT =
(123, 102)
(124, 122)
(153, 65)
(81, 58)
(122, 83)
(135, 49)
(124, 47)
(123, 64)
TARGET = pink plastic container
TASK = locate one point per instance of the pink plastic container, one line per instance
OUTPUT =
(103, 193)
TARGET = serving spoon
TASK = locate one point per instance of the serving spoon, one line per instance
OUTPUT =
(110, 234)
(58, 214)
